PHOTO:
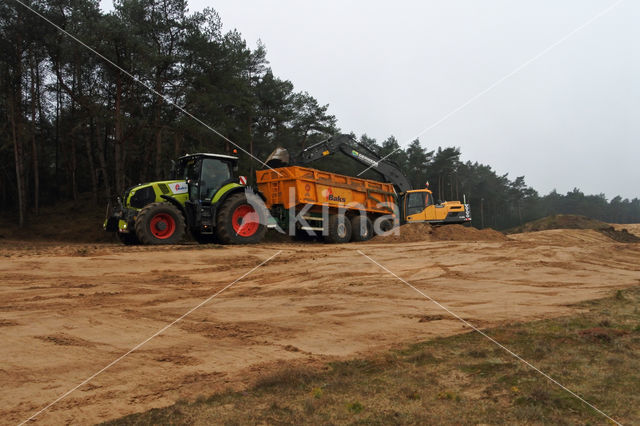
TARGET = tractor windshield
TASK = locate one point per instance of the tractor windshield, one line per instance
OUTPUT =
(215, 173)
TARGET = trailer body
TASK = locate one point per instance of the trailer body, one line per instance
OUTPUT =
(297, 186)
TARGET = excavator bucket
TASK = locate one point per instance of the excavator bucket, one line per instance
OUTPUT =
(278, 158)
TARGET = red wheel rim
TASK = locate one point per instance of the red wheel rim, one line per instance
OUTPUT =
(162, 226)
(245, 221)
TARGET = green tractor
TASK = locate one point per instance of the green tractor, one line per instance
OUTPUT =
(202, 197)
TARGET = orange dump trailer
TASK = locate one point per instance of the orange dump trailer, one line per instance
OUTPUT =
(341, 208)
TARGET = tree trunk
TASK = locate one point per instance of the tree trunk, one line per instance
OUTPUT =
(34, 146)
(118, 148)
(92, 167)
(72, 140)
(158, 171)
(103, 162)
(18, 158)
(15, 110)
(252, 165)
(57, 138)
(177, 143)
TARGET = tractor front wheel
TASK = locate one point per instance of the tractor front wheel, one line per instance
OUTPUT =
(239, 222)
(160, 223)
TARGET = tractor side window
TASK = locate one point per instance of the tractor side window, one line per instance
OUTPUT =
(214, 173)
(415, 202)
(190, 171)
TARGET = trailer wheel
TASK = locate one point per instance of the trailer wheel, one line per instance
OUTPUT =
(361, 228)
(339, 229)
(160, 223)
(239, 222)
(384, 226)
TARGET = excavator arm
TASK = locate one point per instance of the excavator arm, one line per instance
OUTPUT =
(359, 152)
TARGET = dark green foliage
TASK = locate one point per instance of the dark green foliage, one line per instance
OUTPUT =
(496, 201)
(71, 123)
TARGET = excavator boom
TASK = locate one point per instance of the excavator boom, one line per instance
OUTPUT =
(349, 147)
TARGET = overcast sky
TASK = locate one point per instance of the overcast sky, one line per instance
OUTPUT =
(571, 118)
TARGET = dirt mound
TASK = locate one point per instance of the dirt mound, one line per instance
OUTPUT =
(632, 228)
(621, 236)
(409, 233)
(568, 221)
(560, 221)
(416, 232)
(464, 233)
(70, 221)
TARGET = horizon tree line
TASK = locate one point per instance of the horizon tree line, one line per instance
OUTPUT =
(72, 123)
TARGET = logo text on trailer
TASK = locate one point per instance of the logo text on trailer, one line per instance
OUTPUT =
(331, 197)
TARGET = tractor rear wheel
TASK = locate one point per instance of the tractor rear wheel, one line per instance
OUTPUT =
(160, 223)
(239, 222)
(361, 228)
(339, 229)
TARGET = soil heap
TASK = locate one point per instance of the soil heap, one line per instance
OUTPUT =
(417, 232)
(570, 221)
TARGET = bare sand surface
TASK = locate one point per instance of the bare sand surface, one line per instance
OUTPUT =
(68, 310)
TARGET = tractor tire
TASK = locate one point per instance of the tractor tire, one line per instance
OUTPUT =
(204, 238)
(361, 228)
(339, 229)
(238, 222)
(128, 238)
(160, 223)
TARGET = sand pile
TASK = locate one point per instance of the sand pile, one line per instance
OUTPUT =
(409, 233)
(632, 228)
(570, 221)
(416, 232)
(621, 236)
(464, 233)
(561, 221)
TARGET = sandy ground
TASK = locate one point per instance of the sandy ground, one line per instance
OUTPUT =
(66, 311)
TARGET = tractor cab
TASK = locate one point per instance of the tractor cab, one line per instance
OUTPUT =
(205, 174)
